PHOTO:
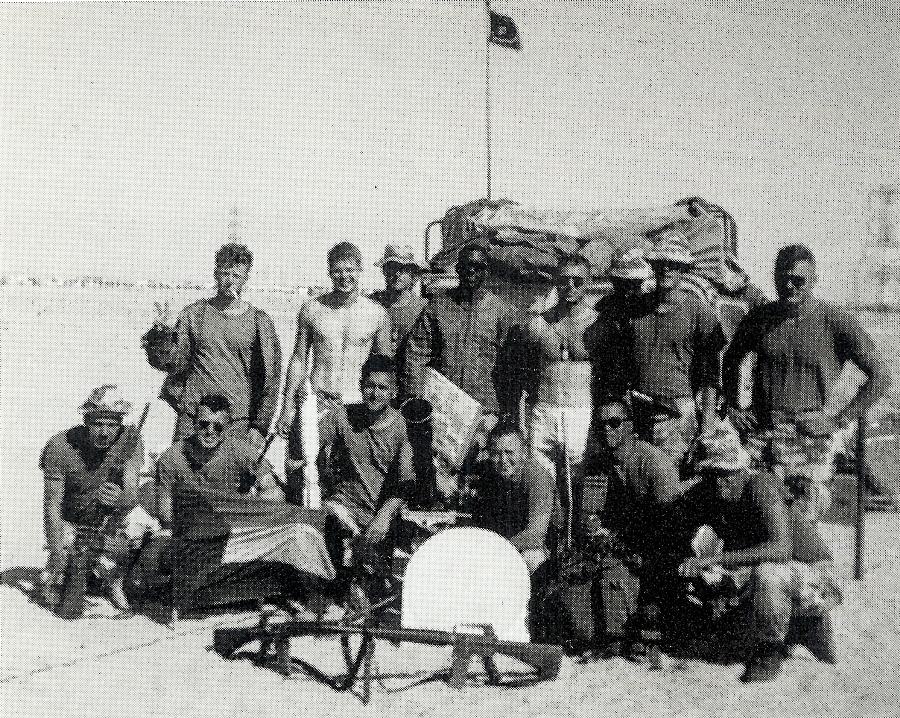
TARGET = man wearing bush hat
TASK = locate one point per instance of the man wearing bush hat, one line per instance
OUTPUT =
(403, 304)
(772, 558)
(608, 340)
(675, 340)
(91, 470)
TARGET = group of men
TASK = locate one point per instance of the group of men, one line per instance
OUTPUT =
(598, 418)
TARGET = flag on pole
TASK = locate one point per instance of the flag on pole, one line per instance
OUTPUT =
(504, 31)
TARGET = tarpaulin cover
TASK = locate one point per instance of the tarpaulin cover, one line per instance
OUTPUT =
(526, 244)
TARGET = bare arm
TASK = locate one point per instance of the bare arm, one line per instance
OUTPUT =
(164, 482)
(131, 474)
(709, 398)
(383, 342)
(741, 345)
(54, 488)
(710, 340)
(420, 351)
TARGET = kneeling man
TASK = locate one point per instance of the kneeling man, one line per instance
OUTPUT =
(91, 472)
(224, 505)
(514, 496)
(365, 462)
(773, 557)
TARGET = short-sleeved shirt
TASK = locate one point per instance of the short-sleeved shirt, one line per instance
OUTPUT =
(68, 457)
(341, 339)
(508, 507)
(799, 356)
(367, 464)
(403, 315)
(207, 491)
(676, 346)
(639, 480)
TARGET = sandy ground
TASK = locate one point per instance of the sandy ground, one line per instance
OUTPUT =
(57, 344)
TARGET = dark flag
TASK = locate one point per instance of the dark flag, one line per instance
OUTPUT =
(504, 31)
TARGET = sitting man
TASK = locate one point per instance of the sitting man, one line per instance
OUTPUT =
(90, 473)
(224, 505)
(748, 541)
(365, 465)
(513, 495)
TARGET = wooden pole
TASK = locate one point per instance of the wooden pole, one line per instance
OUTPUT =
(859, 569)
(487, 97)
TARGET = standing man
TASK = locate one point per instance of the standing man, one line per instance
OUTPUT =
(90, 471)
(336, 332)
(403, 304)
(801, 345)
(468, 334)
(222, 345)
(561, 405)
(676, 339)
(610, 339)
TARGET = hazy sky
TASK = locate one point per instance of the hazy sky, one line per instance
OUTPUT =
(130, 131)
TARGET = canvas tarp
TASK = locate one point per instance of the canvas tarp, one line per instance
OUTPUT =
(526, 244)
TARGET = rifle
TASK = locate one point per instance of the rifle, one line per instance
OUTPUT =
(90, 541)
(544, 658)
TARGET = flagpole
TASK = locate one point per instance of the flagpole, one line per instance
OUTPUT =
(487, 96)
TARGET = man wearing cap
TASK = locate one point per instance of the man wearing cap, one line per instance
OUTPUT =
(801, 345)
(675, 343)
(468, 334)
(401, 272)
(749, 545)
(91, 471)
(336, 333)
(561, 402)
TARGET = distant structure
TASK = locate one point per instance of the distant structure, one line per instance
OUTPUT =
(880, 269)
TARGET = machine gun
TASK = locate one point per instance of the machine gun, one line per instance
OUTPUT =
(467, 642)
(594, 553)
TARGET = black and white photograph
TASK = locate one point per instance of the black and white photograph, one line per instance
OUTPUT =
(450, 357)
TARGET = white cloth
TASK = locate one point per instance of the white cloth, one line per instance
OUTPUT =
(553, 427)
(299, 545)
(464, 577)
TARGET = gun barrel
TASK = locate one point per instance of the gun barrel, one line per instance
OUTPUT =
(544, 658)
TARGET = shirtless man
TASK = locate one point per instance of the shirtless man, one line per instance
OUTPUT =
(561, 412)
(339, 330)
